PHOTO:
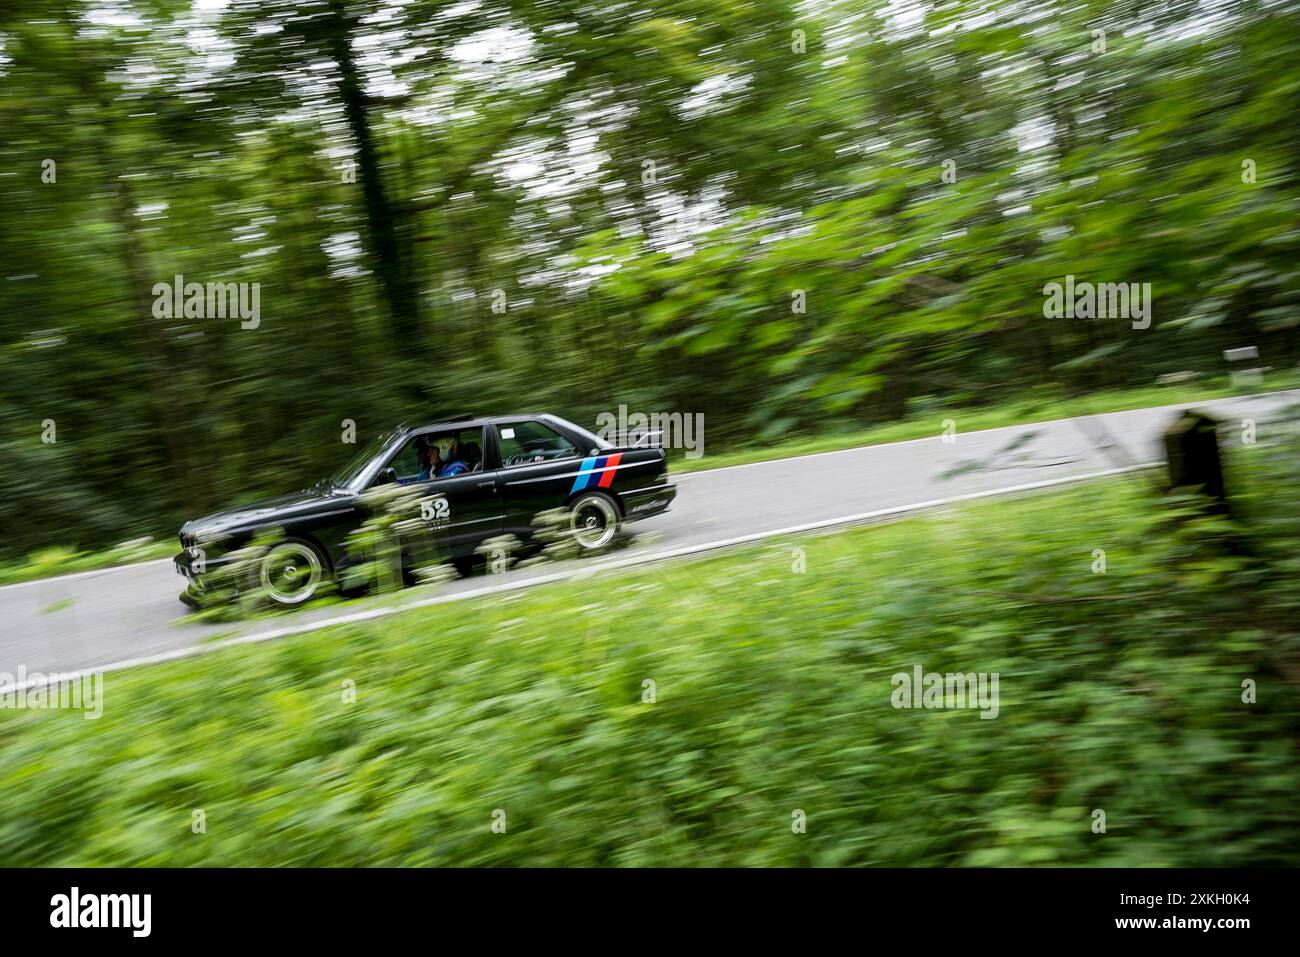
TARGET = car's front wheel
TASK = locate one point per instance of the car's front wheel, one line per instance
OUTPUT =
(292, 572)
(594, 520)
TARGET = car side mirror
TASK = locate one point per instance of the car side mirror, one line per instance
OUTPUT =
(386, 476)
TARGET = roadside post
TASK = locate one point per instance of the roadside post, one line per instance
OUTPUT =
(1241, 376)
(1192, 449)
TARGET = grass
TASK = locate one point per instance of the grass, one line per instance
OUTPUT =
(771, 672)
(59, 560)
(1043, 407)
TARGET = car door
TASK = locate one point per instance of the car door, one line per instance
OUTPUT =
(473, 512)
(473, 504)
(538, 470)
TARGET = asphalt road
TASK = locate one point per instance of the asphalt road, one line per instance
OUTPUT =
(100, 619)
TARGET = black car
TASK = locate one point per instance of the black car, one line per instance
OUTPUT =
(495, 475)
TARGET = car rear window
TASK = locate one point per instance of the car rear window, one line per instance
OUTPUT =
(523, 443)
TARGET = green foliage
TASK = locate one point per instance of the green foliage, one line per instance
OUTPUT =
(1119, 691)
(206, 145)
(58, 560)
(393, 527)
(232, 589)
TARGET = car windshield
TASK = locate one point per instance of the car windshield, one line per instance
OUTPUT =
(345, 476)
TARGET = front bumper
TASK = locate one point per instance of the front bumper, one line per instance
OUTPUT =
(645, 502)
(193, 564)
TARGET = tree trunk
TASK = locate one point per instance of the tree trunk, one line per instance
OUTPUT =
(391, 259)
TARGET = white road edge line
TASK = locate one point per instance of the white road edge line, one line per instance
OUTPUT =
(578, 572)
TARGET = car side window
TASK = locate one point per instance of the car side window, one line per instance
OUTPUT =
(406, 463)
(458, 453)
(523, 443)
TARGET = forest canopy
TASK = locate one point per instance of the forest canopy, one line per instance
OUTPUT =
(789, 217)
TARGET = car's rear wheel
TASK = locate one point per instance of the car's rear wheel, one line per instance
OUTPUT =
(292, 572)
(594, 521)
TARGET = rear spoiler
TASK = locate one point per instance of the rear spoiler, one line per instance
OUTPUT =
(641, 440)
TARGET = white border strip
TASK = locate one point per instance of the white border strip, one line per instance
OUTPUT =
(578, 572)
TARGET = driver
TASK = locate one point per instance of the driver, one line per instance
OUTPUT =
(430, 459)
(433, 463)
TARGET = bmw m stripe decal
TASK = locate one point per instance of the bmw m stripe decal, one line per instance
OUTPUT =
(596, 471)
(611, 465)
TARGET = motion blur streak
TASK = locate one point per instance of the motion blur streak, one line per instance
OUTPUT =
(246, 242)
(785, 217)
